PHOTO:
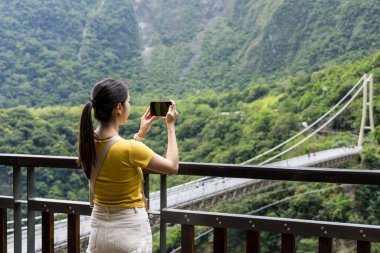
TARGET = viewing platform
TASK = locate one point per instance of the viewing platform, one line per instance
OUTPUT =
(288, 228)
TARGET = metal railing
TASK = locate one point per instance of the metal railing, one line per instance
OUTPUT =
(363, 234)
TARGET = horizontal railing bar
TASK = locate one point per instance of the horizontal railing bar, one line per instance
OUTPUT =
(38, 161)
(60, 206)
(6, 201)
(328, 175)
(328, 229)
(21, 201)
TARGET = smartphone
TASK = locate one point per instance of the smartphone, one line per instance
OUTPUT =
(160, 108)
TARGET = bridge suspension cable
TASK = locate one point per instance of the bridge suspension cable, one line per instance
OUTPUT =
(310, 126)
(318, 129)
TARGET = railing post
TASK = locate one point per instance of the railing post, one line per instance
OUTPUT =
(146, 187)
(253, 242)
(363, 247)
(3, 230)
(187, 238)
(47, 232)
(163, 204)
(17, 208)
(288, 243)
(220, 240)
(31, 192)
(73, 231)
(325, 245)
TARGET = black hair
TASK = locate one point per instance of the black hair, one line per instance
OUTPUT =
(106, 95)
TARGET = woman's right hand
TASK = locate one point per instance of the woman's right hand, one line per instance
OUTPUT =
(146, 121)
(172, 113)
(168, 165)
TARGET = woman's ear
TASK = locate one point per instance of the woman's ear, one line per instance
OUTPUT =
(118, 109)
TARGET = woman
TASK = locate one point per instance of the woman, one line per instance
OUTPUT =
(119, 221)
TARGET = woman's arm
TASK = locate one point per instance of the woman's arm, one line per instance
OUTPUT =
(168, 165)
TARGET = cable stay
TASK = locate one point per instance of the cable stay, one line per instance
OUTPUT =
(310, 126)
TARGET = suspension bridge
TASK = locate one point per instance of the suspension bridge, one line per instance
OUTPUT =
(207, 191)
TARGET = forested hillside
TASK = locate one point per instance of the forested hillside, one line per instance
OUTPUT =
(53, 51)
(218, 128)
(246, 75)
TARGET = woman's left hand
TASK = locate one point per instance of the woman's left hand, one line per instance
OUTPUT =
(146, 121)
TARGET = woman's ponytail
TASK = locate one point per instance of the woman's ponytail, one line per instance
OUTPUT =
(87, 152)
(105, 95)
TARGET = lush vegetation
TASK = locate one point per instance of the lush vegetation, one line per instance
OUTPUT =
(54, 51)
(310, 201)
(314, 201)
(220, 128)
(245, 75)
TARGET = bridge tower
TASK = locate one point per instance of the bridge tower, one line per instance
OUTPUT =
(367, 107)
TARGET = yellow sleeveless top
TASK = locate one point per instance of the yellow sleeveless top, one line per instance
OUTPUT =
(120, 177)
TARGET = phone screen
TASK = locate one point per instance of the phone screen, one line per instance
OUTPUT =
(160, 108)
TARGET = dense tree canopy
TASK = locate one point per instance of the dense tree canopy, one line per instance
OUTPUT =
(245, 76)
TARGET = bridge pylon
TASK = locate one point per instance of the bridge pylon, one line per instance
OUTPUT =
(367, 108)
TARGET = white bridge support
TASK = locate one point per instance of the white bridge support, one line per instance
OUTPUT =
(367, 107)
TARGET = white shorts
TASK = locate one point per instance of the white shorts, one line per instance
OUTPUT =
(115, 230)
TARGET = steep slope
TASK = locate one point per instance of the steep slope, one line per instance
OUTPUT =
(53, 51)
(309, 33)
(233, 42)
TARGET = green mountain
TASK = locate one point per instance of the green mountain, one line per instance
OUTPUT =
(52, 52)
(244, 74)
(218, 128)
